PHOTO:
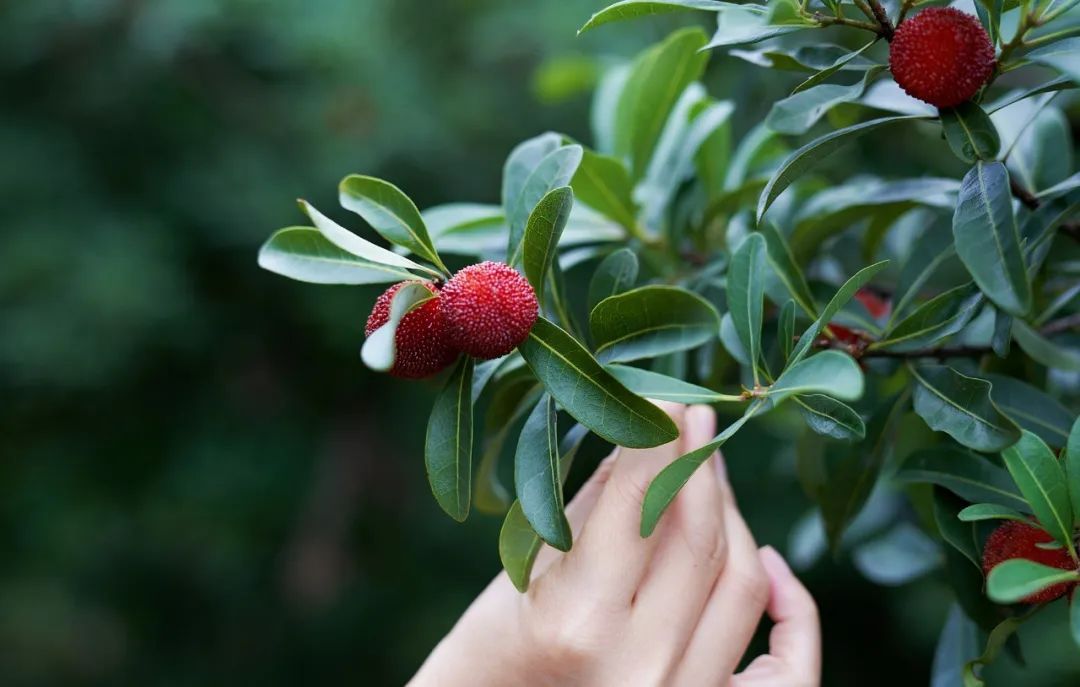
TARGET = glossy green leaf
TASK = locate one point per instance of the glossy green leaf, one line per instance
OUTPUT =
(829, 372)
(990, 511)
(787, 269)
(747, 23)
(958, 534)
(590, 394)
(390, 212)
(829, 417)
(1041, 479)
(630, 9)
(961, 407)
(542, 232)
(999, 637)
(937, 318)
(380, 348)
(800, 111)
(730, 339)
(474, 229)
(839, 299)
(615, 274)
(1044, 350)
(932, 252)
(848, 59)
(805, 158)
(603, 183)
(1015, 580)
(1072, 468)
(970, 133)
(746, 295)
(813, 59)
(964, 473)
(661, 387)
(987, 239)
(304, 254)
(958, 644)
(785, 329)
(361, 248)
(650, 321)
(1001, 339)
(1062, 56)
(536, 476)
(521, 163)
(1074, 619)
(1013, 97)
(448, 444)
(555, 170)
(666, 485)
(1031, 408)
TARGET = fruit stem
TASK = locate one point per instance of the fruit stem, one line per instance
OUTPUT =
(882, 18)
(823, 20)
(1051, 37)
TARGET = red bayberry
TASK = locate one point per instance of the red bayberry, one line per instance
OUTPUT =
(489, 309)
(421, 342)
(877, 306)
(1018, 540)
(941, 56)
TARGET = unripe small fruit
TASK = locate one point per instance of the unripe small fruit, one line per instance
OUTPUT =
(422, 346)
(1018, 540)
(489, 309)
(941, 56)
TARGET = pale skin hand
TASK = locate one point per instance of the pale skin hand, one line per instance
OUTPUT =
(677, 608)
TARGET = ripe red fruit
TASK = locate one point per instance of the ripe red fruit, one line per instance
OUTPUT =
(941, 56)
(422, 345)
(489, 309)
(1018, 540)
(877, 306)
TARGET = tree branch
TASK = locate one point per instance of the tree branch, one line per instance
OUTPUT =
(1032, 202)
(882, 18)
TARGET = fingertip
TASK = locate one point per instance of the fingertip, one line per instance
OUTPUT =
(774, 563)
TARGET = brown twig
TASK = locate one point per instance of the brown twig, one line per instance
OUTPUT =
(882, 17)
(1032, 202)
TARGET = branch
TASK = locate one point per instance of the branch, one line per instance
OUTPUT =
(883, 21)
(1032, 202)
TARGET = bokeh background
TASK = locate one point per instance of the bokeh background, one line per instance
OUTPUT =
(200, 483)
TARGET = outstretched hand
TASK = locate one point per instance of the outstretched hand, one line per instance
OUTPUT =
(676, 608)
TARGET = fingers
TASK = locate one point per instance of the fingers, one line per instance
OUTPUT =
(795, 641)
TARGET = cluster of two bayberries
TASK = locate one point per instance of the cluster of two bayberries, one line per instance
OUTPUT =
(484, 311)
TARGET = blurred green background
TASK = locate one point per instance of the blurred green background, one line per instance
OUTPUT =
(199, 481)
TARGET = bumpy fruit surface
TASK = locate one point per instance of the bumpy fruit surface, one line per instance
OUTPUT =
(1018, 540)
(941, 56)
(422, 345)
(489, 309)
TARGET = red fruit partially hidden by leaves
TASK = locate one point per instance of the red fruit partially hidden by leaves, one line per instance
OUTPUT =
(877, 306)
(421, 342)
(1018, 540)
(941, 56)
(489, 309)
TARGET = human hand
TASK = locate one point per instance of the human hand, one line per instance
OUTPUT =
(677, 608)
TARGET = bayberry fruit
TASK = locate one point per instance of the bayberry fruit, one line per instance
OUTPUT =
(941, 56)
(422, 345)
(877, 306)
(489, 309)
(1019, 540)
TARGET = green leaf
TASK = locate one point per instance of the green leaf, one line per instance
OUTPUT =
(839, 299)
(380, 348)
(474, 229)
(970, 133)
(666, 485)
(999, 637)
(987, 239)
(961, 407)
(448, 444)
(845, 61)
(730, 339)
(785, 329)
(304, 254)
(522, 161)
(966, 474)
(937, 318)
(800, 111)
(1062, 56)
(805, 158)
(603, 183)
(1072, 468)
(990, 511)
(748, 23)
(1041, 479)
(390, 212)
(555, 170)
(661, 387)
(957, 533)
(615, 274)
(812, 59)
(361, 248)
(958, 644)
(829, 417)
(829, 372)
(1001, 340)
(1031, 408)
(651, 321)
(746, 295)
(1044, 350)
(536, 476)
(1015, 580)
(542, 232)
(932, 251)
(787, 269)
(630, 9)
(590, 394)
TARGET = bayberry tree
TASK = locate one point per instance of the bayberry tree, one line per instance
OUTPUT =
(924, 328)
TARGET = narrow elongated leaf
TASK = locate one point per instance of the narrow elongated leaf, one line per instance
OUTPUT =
(590, 394)
(1031, 408)
(350, 242)
(664, 388)
(829, 417)
(932, 251)
(747, 23)
(961, 407)
(1037, 472)
(1072, 468)
(783, 263)
(746, 295)
(522, 161)
(1044, 350)
(304, 254)
(805, 158)
(970, 133)
(629, 9)
(448, 444)
(536, 476)
(615, 274)
(1015, 580)
(839, 299)
(987, 239)
(937, 318)
(990, 511)
(1074, 619)
(829, 372)
(846, 60)
(956, 532)
(1001, 340)
(730, 339)
(800, 111)
(542, 232)
(966, 474)
(380, 348)
(958, 644)
(785, 329)
(603, 183)
(557, 169)
(1062, 56)
(666, 485)
(390, 212)
(651, 321)
(812, 59)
